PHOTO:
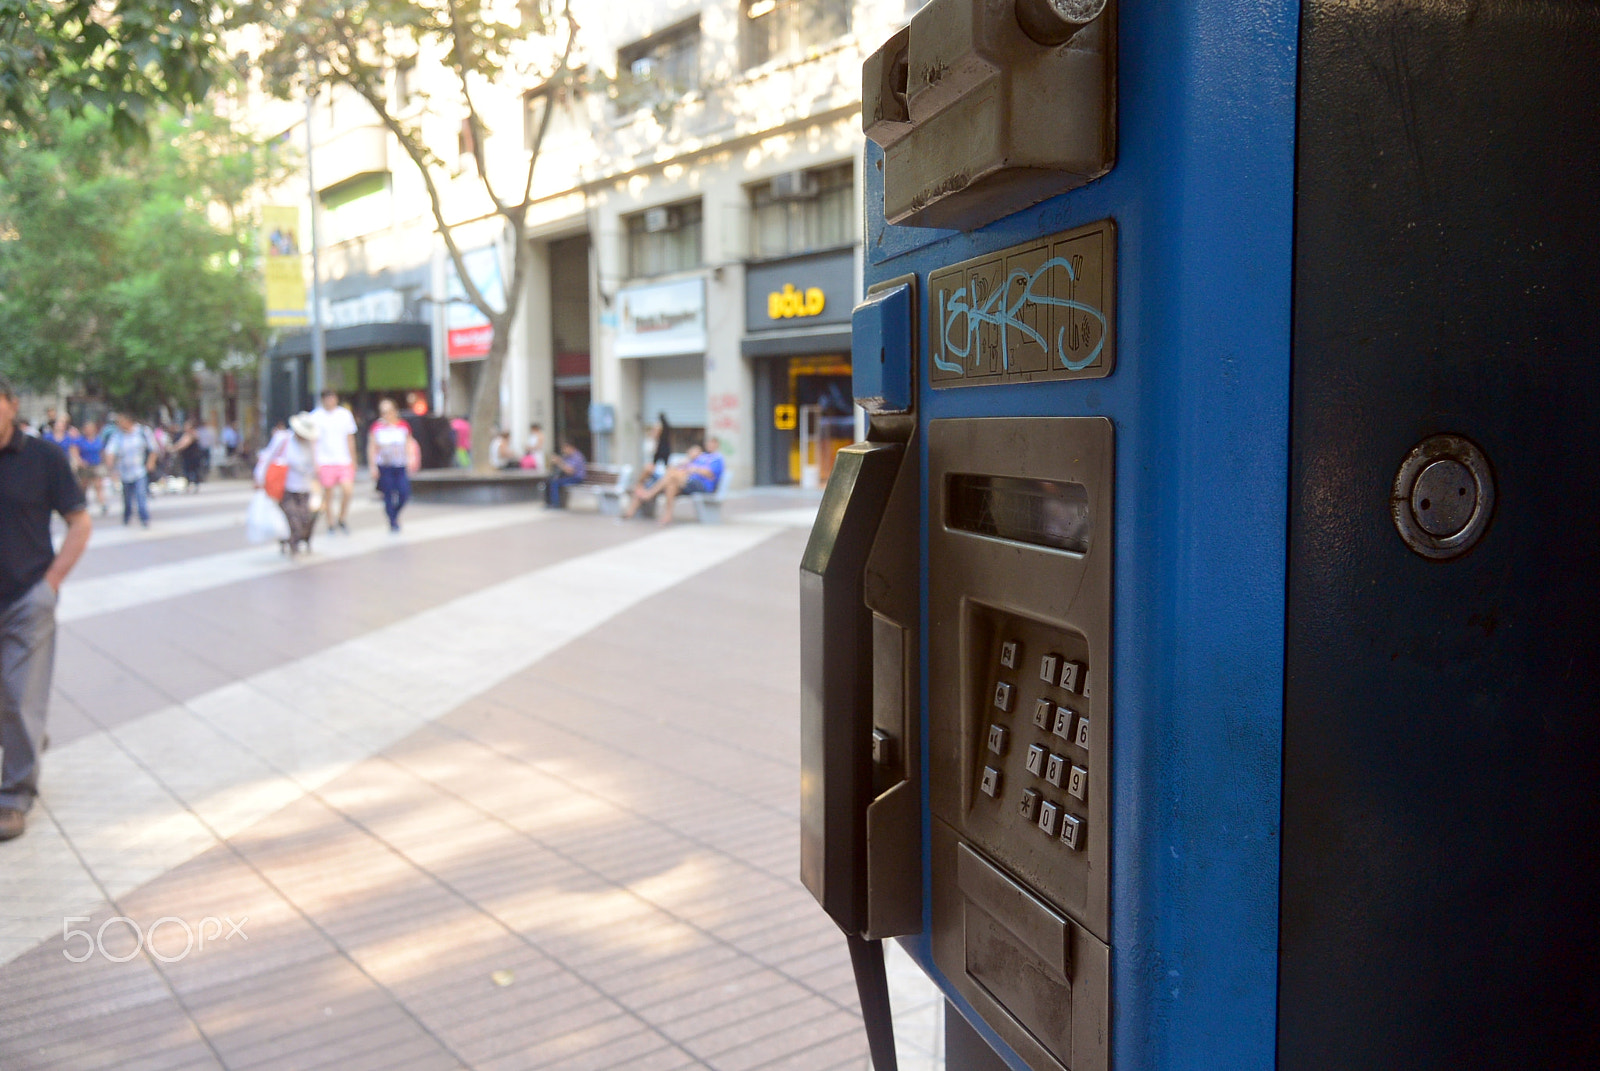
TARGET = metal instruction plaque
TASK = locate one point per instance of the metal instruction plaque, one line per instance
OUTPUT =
(1037, 311)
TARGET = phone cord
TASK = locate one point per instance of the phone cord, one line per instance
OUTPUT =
(872, 984)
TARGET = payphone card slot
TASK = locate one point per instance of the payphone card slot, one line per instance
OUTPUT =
(1039, 978)
(1035, 753)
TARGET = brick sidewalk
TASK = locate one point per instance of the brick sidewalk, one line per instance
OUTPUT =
(590, 865)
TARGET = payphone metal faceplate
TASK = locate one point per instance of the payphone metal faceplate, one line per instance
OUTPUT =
(1019, 705)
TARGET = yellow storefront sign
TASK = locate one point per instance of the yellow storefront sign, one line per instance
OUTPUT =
(789, 302)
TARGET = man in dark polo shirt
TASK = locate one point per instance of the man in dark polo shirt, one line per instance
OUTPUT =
(35, 480)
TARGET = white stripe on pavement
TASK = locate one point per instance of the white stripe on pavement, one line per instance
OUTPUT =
(136, 587)
(122, 807)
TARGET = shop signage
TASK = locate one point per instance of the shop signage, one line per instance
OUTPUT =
(662, 319)
(788, 303)
(800, 292)
(468, 333)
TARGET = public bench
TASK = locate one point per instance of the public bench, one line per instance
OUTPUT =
(707, 506)
(606, 484)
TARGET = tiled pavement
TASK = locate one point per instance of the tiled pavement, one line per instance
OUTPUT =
(510, 791)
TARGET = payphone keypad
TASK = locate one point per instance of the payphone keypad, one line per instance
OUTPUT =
(1036, 693)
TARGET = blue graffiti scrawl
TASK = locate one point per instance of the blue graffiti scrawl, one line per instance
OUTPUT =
(980, 322)
(996, 311)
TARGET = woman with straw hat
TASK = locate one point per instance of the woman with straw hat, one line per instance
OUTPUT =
(292, 447)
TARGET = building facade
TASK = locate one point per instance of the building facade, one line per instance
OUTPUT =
(695, 240)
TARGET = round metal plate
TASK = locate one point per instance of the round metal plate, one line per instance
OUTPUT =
(1443, 497)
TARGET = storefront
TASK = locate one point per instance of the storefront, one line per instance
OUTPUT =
(661, 339)
(571, 375)
(797, 340)
(365, 364)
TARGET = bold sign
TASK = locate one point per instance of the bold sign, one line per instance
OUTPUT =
(468, 333)
(800, 292)
(788, 303)
(662, 320)
(785, 417)
(282, 266)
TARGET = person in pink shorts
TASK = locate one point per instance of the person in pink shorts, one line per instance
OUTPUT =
(336, 459)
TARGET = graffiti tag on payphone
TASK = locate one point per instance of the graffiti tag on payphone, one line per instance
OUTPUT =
(997, 311)
(1035, 311)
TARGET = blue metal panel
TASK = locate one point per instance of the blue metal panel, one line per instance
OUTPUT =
(881, 360)
(1202, 194)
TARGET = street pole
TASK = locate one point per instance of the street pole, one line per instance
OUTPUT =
(319, 347)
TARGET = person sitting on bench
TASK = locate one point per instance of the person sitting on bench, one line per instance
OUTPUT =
(569, 467)
(700, 473)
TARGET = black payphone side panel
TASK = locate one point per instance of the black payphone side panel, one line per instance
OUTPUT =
(1441, 784)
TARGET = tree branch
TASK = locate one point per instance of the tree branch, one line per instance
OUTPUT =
(419, 156)
(463, 53)
(551, 94)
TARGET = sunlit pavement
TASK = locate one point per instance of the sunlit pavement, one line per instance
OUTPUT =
(513, 789)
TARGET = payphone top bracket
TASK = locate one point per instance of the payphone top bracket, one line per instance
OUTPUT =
(956, 100)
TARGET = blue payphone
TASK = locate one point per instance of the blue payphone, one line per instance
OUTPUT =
(1200, 652)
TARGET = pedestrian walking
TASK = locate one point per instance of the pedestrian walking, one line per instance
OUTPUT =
(191, 455)
(294, 447)
(35, 481)
(88, 458)
(336, 458)
(133, 451)
(393, 455)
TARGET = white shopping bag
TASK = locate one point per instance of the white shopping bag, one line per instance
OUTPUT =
(264, 522)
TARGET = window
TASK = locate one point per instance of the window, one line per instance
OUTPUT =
(663, 239)
(356, 207)
(405, 84)
(534, 103)
(660, 68)
(777, 28)
(803, 210)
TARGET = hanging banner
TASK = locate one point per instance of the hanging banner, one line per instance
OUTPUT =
(468, 332)
(282, 267)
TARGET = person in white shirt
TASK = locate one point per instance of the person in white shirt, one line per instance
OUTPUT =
(336, 458)
(392, 455)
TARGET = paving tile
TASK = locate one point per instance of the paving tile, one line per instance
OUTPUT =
(791, 1038)
(626, 853)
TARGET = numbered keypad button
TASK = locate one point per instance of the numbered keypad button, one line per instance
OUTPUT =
(990, 785)
(1028, 805)
(1003, 694)
(1049, 668)
(1062, 726)
(1008, 654)
(1055, 768)
(1036, 759)
(1049, 814)
(1072, 831)
(1072, 676)
(1077, 782)
(997, 739)
(1081, 737)
(1044, 713)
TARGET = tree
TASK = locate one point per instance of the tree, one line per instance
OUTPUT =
(124, 271)
(310, 44)
(61, 57)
